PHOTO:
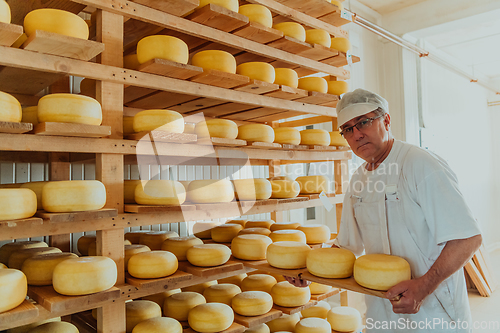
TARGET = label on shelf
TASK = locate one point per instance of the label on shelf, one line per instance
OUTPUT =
(346, 15)
(348, 56)
(326, 202)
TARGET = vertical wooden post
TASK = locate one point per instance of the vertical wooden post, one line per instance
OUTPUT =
(59, 169)
(274, 171)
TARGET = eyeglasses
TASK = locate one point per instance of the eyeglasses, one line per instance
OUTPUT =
(360, 125)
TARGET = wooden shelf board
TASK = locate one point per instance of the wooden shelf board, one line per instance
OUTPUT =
(26, 81)
(294, 147)
(170, 68)
(288, 93)
(77, 216)
(222, 142)
(319, 52)
(25, 311)
(258, 87)
(335, 18)
(174, 7)
(340, 60)
(69, 129)
(316, 98)
(162, 136)
(165, 282)
(258, 33)
(234, 328)
(253, 321)
(291, 200)
(148, 209)
(312, 8)
(132, 93)
(296, 309)
(230, 266)
(225, 110)
(252, 203)
(218, 17)
(290, 44)
(265, 267)
(264, 145)
(220, 79)
(278, 116)
(197, 104)
(321, 297)
(12, 127)
(155, 99)
(9, 33)
(247, 115)
(315, 196)
(323, 148)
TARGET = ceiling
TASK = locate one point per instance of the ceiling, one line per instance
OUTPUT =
(388, 6)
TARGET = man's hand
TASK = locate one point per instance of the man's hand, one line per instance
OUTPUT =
(297, 282)
(407, 296)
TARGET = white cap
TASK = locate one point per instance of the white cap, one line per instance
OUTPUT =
(357, 103)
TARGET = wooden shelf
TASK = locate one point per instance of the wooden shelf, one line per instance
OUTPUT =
(77, 216)
(174, 7)
(222, 142)
(213, 77)
(321, 297)
(262, 265)
(253, 321)
(218, 17)
(23, 312)
(9, 33)
(258, 33)
(148, 209)
(162, 136)
(165, 283)
(170, 69)
(69, 129)
(15, 128)
(206, 272)
(296, 309)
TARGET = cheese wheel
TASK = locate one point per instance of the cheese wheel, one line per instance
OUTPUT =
(200, 288)
(129, 190)
(344, 319)
(131, 61)
(286, 77)
(313, 83)
(131, 250)
(262, 328)
(257, 13)
(288, 235)
(235, 279)
(210, 191)
(17, 259)
(139, 311)
(318, 288)
(83, 276)
(189, 128)
(13, 288)
(319, 310)
(229, 4)
(17, 203)
(162, 47)
(285, 323)
(252, 303)
(56, 21)
(250, 247)
(152, 264)
(259, 224)
(178, 305)
(337, 140)
(313, 325)
(179, 245)
(252, 189)
(160, 192)
(284, 189)
(217, 128)
(332, 263)
(36, 187)
(287, 255)
(40, 268)
(155, 239)
(203, 230)
(292, 29)
(287, 135)
(337, 87)
(2, 266)
(55, 327)
(208, 255)
(215, 59)
(29, 327)
(255, 231)
(315, 233)
(256, 132)
(161, 297)
(5, 15)
(287, 295)
(73, 196)
(221, 293)
(158, 325)
(159, 120)
(7, 249)
(318, 36)
(30, 115)
(256, 70)
(284, 226)
(69, 108)
(225, 233)
(135, 236)
(314, 137)
(211, 317)
(312, 184)
(84, 242)
(381, 271)
(341, 44)
(258, 282)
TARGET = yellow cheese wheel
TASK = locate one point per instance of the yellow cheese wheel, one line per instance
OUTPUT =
(215, 59)
(318, 36)
(252, 303)
(286, 77)
(221, 293)
(161, 120)
(344, 319)
(36, 187)
(337, 87)
(287, 295)
(288, 235)
(262, 328)
(161, 297)
(229, 4)
(17, 259)
(256, 70)
(82, 276)
(29, 327)
(287, 135)
(17, 203)
(381, 271)
(139, 311)
(258, 282)
(160, 192)
(284, 226)
(235, 279)
(319, 310)
(341, 44)
(128, 125)
(255, 231)
(259, 224)
(256, 132)
(315, 233)
(331, 263)
(208, 255)
(162, 47)
(56, 21)
(225, 233)
(284, 189)
(73, 195)
(152, 264)
(287, 255)
(178, 305)
(131, 250)
(200, 288)
(285, 323)
(292, 29)
(69, 108)
(257, 13)
(7, 249)
(252, 189)
(5, 16)
(55, 327)
(13, 288)
(314, 137)
(313, 83)
(30, 115)
(210, 191)
(211, 317)
(250, 247)
(203, 230)
(155, 239)
(337, 140)
(131, 61)
(240, 222)
(318, 288)
(217, 128)
(179, 245)
(84, 243)
(40, 268)
(129, 190)
(312, 184)
(338, 4)
(313, 325)
(158, 325)
(135, 236)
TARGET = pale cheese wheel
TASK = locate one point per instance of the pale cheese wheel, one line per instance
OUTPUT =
(55, 327)
(318, 36)
(211, 317)
(262, 328)
(286, 77)
(29, 327)
(217, 128)
(160, 192)
(256, 132)
(30, 115)
(257, 13)
(341, 44)
(56, 21)
(69, 108)
(5, 15)
(161, 297)
(229, 4)
(381, 271)
(284, 226)
(313, 184)
(215, 59)
(40, 268)
(313, 325)
(315, 233)
(240, 222)
(287, 295)
(160, 120)
(210, 191)
(252, 189)
(208, 255)
(129, 187)
(250, 247)
(179, 245)
(139, 311)
(84, 242)
(292, 29)
(337, 140)
(318, 288)
(2, 266)
(158, 325)
(155, 239)
(225, 233)
(131, 61)
(73, 195)
(318, 310)
(17, 203)
(332, 263)
(313, 83)
(288, 235)
(36, 187)
(17, 259)
(221, 293)
(203, 230)
(255, 231)
(162, 47)
(133, 249)
(287, 135)
(252, 303)
(7, 249)
(135, 236)
(83, 276)
(13, 288)
(256, 70)
(199, 288)
(344, 319)
(259, 224)
(258, 282)
(284, 189)
(337, 87)
(285, 323)
(152, 264)
(178, 305)
(287, 255)
(314, 137)
(235, 279)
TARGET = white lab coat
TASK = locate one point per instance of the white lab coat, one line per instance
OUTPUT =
(410, 206)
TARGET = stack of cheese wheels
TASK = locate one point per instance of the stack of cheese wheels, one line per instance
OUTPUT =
(208, 255)
(262, 328)
(133, 249)
(30, 115)
(381, 271)
(217, 128)
(288, 235)
(257, 13)
(285, 323)
(40, 268)
(225, 233)
(286, 77)
(292, 29)
(256, 132)
(55, 327)
(344, 319)
(318, 288)
(284, 226)
(152, 264)
(252, 189)
(17, 259)
(10, 108)
(155, 239)
(135, 236)
(161, 120)
(314, 137)
(235, 279)
(161, 297)
(73, 196)
(312, 184)
(139, 311)
(69, 108)
(211, 317)
(203, 230)
(36, 187)
(255, 231)
(287, 135)
(331, 263)
(284, 189)
(261, 71)
(162, 47)
(157, 325)
(83, 276)
(252, 303)
(5, 15)
(56, 21)
(17, 203)
(318, 36)
(258, 282)
(319, 310)
(160, 192)
(287, 295)
(7, 249)
(200, 288)
(313, 83)
(210, 191)
(129, 190)
(250, 247)
(287, 255)
(84, 243)
(221, 293)
(337, 87)
(13, 288)
(179, 245)
(215, 59)
(131, 62)
(316, 233)
(229, 4)
(259, 224)
(178, 305)
(341, 44)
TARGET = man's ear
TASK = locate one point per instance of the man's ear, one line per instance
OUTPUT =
(387, 121)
